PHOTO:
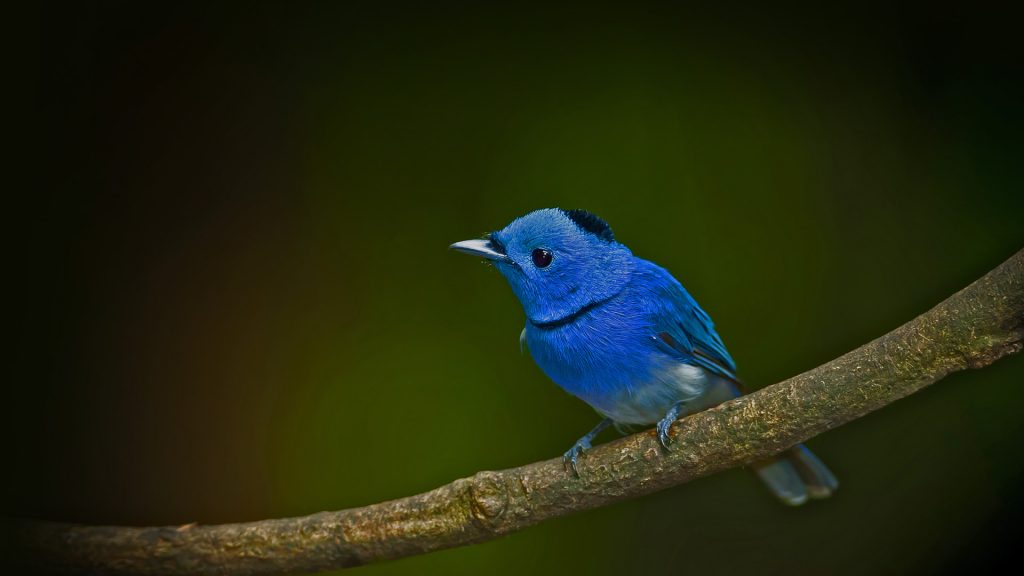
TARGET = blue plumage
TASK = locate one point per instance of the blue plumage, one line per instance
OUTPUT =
(622, 334)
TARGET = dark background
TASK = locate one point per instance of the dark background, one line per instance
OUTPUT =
(232, 297)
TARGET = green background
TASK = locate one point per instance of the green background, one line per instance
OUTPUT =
(233, 298)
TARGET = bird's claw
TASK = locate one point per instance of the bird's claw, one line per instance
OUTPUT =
(570, 457)
(665, 424)
(663, 427)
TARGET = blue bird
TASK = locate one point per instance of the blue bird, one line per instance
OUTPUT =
(621, 334)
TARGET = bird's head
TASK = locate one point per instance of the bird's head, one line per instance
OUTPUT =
(557, 261)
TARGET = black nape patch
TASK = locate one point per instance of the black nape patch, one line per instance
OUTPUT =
(592, 223)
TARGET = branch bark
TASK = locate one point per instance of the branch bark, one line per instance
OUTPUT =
(971, 329)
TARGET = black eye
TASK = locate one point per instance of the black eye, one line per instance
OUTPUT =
(541, 258)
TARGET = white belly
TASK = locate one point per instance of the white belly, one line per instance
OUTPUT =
(648, 402)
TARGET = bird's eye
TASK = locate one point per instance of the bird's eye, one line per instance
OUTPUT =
(541, 258)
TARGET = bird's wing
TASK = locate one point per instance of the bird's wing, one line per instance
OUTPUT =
(684, 330)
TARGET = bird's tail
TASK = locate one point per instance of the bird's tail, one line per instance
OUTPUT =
(796, 475)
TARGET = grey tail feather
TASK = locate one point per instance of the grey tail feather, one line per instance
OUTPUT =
(820, 481)
(781, 477)
(795, 475)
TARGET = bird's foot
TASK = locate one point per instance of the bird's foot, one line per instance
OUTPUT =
(570, 457)
(663, 427)
(665, 424)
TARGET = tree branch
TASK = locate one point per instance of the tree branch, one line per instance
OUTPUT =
(972, 329)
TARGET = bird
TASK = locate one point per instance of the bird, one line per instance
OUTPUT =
(623, 335)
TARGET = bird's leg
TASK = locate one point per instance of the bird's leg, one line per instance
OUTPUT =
(583, 444)
(666, 423)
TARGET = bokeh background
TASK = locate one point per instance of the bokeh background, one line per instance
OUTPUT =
(232, 297)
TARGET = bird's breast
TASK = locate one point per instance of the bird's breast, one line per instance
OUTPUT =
(607, 358)
(592, 354)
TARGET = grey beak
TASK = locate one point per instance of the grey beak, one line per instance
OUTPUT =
(479, 248)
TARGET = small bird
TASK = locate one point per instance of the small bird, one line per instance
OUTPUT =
(623, 335)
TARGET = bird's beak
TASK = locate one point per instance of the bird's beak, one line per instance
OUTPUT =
(480, 248)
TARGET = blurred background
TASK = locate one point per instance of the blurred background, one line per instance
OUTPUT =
(233, 300)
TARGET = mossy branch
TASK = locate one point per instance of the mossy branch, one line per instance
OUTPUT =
(973, 328)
